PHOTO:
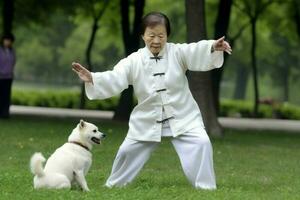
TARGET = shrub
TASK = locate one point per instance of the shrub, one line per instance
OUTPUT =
(239, 108)
(288, 111)
(71, 98)
(59, 99)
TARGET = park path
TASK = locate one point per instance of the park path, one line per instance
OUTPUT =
(292, 126)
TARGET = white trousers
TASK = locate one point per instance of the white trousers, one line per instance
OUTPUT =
(195, 154)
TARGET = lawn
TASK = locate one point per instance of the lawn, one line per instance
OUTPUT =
(248, 165)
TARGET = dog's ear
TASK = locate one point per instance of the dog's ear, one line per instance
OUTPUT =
(81, 124)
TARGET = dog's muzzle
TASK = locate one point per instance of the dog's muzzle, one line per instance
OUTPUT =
(97, 140)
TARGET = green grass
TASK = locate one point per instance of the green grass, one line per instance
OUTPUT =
(248, 165)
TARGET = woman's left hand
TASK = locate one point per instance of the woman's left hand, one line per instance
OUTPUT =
(221, 45)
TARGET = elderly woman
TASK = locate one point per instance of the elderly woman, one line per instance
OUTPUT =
(166, 107)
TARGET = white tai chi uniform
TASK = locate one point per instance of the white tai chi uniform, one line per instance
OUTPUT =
(195, 153)
(165, 107)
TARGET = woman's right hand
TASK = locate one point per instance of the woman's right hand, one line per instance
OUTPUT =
(84, 74)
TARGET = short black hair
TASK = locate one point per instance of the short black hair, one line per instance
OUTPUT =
(9, 36)
(155, 18)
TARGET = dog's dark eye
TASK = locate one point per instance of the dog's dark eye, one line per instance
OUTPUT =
(95, 131)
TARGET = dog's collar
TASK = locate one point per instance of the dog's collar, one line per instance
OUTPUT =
(78, 143)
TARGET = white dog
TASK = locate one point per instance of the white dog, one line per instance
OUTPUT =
(70, 162)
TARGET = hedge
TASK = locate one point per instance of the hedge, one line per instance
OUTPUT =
(239, 108)
(70, 99)
(59, 99)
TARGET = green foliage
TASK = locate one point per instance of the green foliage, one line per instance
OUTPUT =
(68, 98)
(288, 111)
(45, 52)
(239, 108)
(60, 99)
(248, 164)
(230, 108)
(277, 51)
(38, 12)
(107, 104)
(175, 13)
(53, 34)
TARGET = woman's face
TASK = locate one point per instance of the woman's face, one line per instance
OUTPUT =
(155, 38)
(7, 43)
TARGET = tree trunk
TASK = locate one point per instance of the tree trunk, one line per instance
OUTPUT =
(296, 5)
(286, 85)
(254, 67)
(96, 19)
(253, 12)
(7, 16)
(88, 60)
(241, 83)
(131, 42)
(221, 27)
(200, 82)
(284, 75)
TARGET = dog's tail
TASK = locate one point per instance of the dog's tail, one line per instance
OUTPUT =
(36, 164)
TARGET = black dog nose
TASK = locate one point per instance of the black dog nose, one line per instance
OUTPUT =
(103, 135)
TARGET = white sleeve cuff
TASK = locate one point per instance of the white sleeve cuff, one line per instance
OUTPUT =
(90, 89)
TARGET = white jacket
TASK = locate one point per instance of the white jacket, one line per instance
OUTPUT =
(159, 84)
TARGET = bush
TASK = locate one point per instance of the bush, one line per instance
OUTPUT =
(239, 108)
(71, 98)
(59, 99)
(288, 111)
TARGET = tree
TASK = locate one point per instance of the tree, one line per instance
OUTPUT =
(253, 10)
(131, 41)
(96, 9)
(33, 10)
(296, 14)
(8, 15)
(200, 82)
(284, 46)
(221, 27)
(241, 81)
(242, 72)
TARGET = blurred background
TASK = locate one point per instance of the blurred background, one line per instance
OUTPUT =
(260, 78)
